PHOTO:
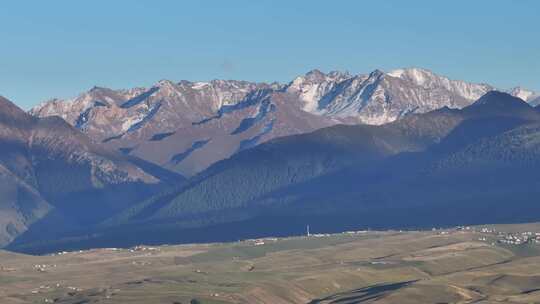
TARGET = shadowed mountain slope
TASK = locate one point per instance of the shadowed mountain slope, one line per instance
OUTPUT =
(48, 167)
(445, 167)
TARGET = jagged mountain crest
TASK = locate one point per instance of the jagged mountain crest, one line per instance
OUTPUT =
(176, 116)
(181, 114)
(380, 97)
(524, 93)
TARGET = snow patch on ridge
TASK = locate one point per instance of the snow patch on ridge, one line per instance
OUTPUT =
(200, 85)
(145, 118)
(396, 73)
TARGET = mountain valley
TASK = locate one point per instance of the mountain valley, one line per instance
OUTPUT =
(435, 166)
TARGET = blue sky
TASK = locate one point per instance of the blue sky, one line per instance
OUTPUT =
(61, 48)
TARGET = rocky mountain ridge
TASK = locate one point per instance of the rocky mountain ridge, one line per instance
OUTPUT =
(47, 165)
(187, 126)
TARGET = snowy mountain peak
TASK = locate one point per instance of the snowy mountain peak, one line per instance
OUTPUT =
(418, 76)
(524, 94)
(166, 87)
(396, 73)
(311, 87)
(429, 80)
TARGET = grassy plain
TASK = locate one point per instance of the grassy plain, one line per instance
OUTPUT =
(450, 266)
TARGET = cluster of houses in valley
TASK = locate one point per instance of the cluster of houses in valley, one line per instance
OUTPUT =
(45, 289)
(509, 238)
(493, 236)
(43, 267)
(263, 241)
(520, 238)
(260, 242)
(140, 248)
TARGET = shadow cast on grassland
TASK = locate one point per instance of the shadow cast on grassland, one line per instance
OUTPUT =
(372, 292)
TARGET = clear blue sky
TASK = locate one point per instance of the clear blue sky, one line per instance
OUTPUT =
(61, 48)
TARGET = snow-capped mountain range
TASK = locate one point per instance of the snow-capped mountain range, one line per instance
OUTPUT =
(379, 97)
(187, 126)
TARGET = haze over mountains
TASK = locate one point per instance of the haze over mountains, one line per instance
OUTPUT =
(49, 168)
(187, 126)
(447, 166)
(336, 151)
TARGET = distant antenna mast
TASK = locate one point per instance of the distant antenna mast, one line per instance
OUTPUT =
(307, 230)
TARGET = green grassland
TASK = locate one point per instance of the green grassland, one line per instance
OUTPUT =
(368, 267)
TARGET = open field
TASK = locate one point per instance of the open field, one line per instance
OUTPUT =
(443, 266)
